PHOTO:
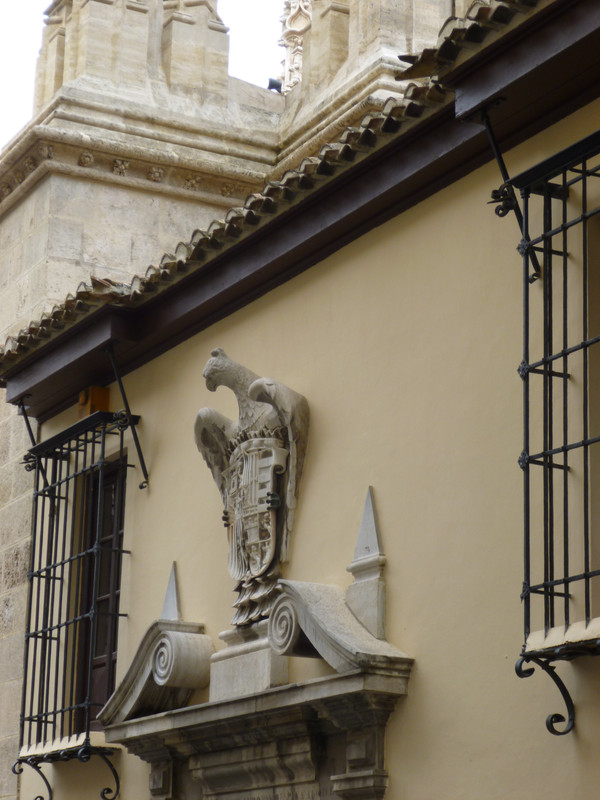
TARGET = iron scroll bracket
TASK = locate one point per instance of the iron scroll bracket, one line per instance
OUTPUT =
(82, 753)
(552, 720)
(505, 197)
(127, 416)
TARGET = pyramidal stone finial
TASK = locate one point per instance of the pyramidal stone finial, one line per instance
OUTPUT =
(171, 608)
(366, 596)
(367, 544)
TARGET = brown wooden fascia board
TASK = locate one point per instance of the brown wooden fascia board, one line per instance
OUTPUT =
(69, 363)
(409, 168)
(565, 50)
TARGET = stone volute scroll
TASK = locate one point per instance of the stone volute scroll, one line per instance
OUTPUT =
(172, 660)
(345, 628)
(256, 462)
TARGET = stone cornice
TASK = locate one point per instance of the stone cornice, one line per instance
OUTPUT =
(274, 738)
(203, 722)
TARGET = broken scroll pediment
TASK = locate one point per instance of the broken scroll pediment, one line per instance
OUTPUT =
(346, 629)
(171, 662)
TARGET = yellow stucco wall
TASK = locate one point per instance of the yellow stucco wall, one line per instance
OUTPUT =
(406, 344)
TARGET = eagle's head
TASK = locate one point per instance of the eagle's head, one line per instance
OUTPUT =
(217, 367)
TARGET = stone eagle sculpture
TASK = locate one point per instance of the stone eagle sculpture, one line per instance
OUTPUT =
(256, 462)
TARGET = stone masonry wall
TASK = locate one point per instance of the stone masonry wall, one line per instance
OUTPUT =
(15, 521)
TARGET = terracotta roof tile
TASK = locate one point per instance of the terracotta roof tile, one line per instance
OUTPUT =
(420, 99)
(468, 33)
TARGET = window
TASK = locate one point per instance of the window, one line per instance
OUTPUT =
(77, 547)
(560, 371)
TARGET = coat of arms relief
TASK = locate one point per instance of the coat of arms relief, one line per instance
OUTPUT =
(256, 462)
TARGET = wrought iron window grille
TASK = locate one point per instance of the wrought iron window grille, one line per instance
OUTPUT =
(559, 221)
(73, 605)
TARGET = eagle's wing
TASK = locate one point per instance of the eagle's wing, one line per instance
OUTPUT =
(292, 411)
(212, 432)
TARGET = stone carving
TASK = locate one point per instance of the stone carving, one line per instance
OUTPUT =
(256, 462)
(296, 21)
(171, 661)
(347, 629)
(366, 596)
(317, 614)
(234, 190)
(156, 174)
(192, 182)
(86, 159)
(313, 741)
(297, 741)
(46, 150)
(120, 166)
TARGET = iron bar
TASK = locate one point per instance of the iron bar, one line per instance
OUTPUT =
(513, 203)
(565, 399)
(558, 577)
(65, 613)
(526, 444)
(567, 351)
(548, 420)
(567, 579)
(586, 451)
(136, 441)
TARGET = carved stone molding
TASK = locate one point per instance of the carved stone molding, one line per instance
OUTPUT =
(296, 21)
(172, 660)
(322, 739)
(119, 166)
(316, 613)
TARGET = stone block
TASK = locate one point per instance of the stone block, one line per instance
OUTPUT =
(36, 244)
(6, 480)
(333, 40)
(12, 611)
(195, 48)
(8, 610)
(15, 521)
(19, 438)
(4, 441)
(67, 239)
(98, 22)
(15, 563)
(22, 481)
(247, 665)
(5, 409)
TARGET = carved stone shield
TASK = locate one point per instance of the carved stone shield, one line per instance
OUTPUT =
(251, 503)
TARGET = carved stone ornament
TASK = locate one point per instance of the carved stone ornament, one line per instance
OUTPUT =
(296, 21)
(317, 740)
(172, 660)
(256, 462)
(316, 614)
